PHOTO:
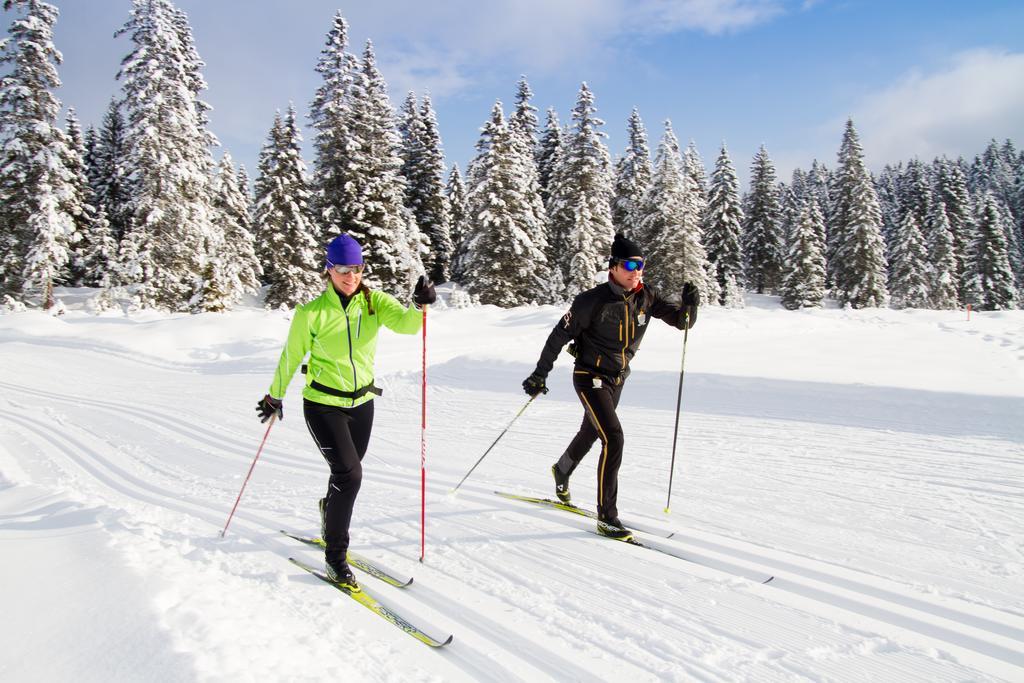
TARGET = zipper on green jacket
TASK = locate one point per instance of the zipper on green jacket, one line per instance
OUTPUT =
(351, 358)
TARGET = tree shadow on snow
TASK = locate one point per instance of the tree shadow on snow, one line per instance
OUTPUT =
(849, 405)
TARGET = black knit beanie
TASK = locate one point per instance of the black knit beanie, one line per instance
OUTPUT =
(624, 248)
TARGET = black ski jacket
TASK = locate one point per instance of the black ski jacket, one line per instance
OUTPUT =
(607, 323)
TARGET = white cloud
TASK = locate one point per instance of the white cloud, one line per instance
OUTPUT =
(422, 68)
(711, 16)
(953, 111)
(455, 39)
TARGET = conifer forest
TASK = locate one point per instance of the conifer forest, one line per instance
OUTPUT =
(150, 210)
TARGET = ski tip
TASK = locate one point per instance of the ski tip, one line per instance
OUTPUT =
(450, 638)
(768, 580)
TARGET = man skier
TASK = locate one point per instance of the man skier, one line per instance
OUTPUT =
(606, 324)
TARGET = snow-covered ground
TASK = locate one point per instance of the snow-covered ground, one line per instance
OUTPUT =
(873, 461)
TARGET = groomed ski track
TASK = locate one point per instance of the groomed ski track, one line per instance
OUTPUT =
(911, 571)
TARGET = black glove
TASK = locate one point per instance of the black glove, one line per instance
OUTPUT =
(269, 405)
(534, 385)
(424, 293)
(691, 300)
(691, 295)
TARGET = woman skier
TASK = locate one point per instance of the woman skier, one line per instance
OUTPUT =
(338, 330)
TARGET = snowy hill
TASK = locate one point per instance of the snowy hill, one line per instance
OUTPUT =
(871, 460)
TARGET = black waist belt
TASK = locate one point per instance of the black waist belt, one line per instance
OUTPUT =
(358, 393)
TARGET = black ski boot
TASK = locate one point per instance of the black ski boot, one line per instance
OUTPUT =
(561, 485)
(612, 528)
(342, 575)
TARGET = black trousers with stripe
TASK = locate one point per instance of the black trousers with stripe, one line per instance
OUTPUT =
(600, 398)
(342, 435)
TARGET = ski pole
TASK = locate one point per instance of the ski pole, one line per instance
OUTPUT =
(679, 399)
(527, 405)
(423, 447)
(251, 467)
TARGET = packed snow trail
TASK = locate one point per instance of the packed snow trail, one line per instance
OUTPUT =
(883, 491)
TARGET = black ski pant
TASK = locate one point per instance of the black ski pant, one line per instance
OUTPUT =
(600, 398)
(342, 435)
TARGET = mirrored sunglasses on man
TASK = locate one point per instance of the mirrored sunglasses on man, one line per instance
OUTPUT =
(632, 264)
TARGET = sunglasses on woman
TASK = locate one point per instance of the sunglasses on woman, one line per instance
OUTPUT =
(345, 270)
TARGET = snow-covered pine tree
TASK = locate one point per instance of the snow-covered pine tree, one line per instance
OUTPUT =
(790, 206)
(504, 266)
(762, 236)
(547, 152)
(1009, 153)
(994, 171)
(167, 149)
(804, 284)
(887, 185)
(286, 233)
(943, 282)
(798, 185)
(1014, 243)
(109, 173)
(232, 269)
(37, 226)
(434, 217)
(244, 188)
(483, 144)
(915, 193)
(908, 263)
(951, 190)
(632, 176)
(579, 208)
(992, 287)
(1019, 203)
(328, 117)
(79, 204)
(263, 187)
(523, 126)
(723, 225)
(100, 260)
(408, 124)
(455, 191)
(991, 172)
(523, 120)
(423, 170)
(792, 196)
(816, 186)
(669, 216)
(857, 252)
(371, 206)
(693, 166)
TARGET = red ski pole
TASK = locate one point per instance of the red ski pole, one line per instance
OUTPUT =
(253, 465)
(423, 447)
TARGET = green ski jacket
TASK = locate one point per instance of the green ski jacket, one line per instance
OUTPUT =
(341, 343)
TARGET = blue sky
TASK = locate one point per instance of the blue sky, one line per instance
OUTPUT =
(918, 78)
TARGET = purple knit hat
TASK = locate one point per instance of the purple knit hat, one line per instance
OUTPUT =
(344, 251)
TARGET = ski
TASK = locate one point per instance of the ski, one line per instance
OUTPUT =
(355, 560)
(712, 563)
(718, 565)
(569, 507)
(370, 603)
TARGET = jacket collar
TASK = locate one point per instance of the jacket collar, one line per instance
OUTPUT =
(619, 291)
(334, 298)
